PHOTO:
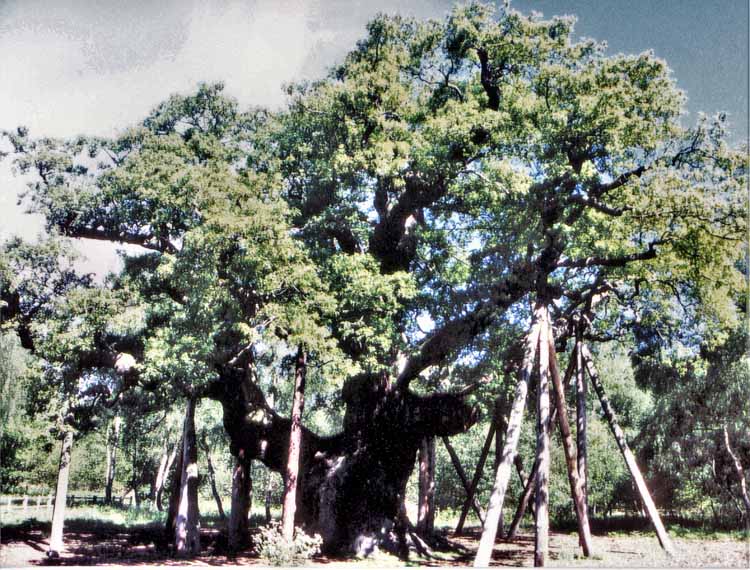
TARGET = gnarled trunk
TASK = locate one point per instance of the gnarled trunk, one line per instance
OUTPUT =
(351, 484)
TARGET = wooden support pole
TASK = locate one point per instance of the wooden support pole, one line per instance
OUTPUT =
(529, 484)
(462, 475)
(475, 480)
(622, 443)
(576, 490)
(541, 540)
(502, 476)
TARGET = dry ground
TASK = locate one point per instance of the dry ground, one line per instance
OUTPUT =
(114, 545)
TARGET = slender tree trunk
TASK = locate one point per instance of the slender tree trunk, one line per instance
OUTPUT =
(622, 443)
(113, 438)
(159, 478)
(581, 420)
(462, 475)
(61, 495)
(576, 489)
(269, 493)
(541, 543)
(740, 472)
(295, 445)
(426, 512)
(212, 479)
(174, 493)
(187, 540)
(470, 496)
(502, 476)
(161, 481)
(242, 495)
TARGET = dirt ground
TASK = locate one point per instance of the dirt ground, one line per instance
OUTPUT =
(26, 545)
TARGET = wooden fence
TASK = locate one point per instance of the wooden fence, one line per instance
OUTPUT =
(30, 504)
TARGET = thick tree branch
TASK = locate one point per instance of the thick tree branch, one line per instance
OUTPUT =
(593, 261)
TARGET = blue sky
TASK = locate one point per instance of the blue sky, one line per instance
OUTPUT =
(93, 67)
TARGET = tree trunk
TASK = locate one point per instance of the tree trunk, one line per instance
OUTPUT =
(159, 478)
(242, 496)
(426, 512)
(581, 420)
(502, 476)
(740, 472)
(541, 542)
(622, 443)
(351, 484)
(187, 540)
(295, 447)
(576, 489)
(471, 495)
(113, 438)
(269, 493)
(212, 479)
(161, 481)
(174, 493)
(462, 475)
(61, 495)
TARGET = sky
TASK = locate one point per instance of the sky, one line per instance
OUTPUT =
(94, 67)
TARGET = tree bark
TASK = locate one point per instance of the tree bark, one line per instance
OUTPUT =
(462, 476)
(471, 495)
(426, 511)
(269, 493)
(352, 483)
(576, 489)
(541, 542)
(112, 441)
(212, 479)
(295, 447)
(581, 420)
(502, 476)
(740, 472)
(161, 481)
(61, 495)
(174, 493)
(187, 528)
(242, 495)
(622, 443)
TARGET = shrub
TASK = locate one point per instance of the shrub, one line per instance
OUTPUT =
(277, 551)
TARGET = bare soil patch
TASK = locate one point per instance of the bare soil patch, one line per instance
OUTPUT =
(96, 544)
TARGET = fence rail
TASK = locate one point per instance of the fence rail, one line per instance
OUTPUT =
(37, 503)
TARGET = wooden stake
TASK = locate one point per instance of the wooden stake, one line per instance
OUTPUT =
(576, 490)
(462, 475)
(475, 480)
(541, 542)
(502, 476)
(622, 443)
